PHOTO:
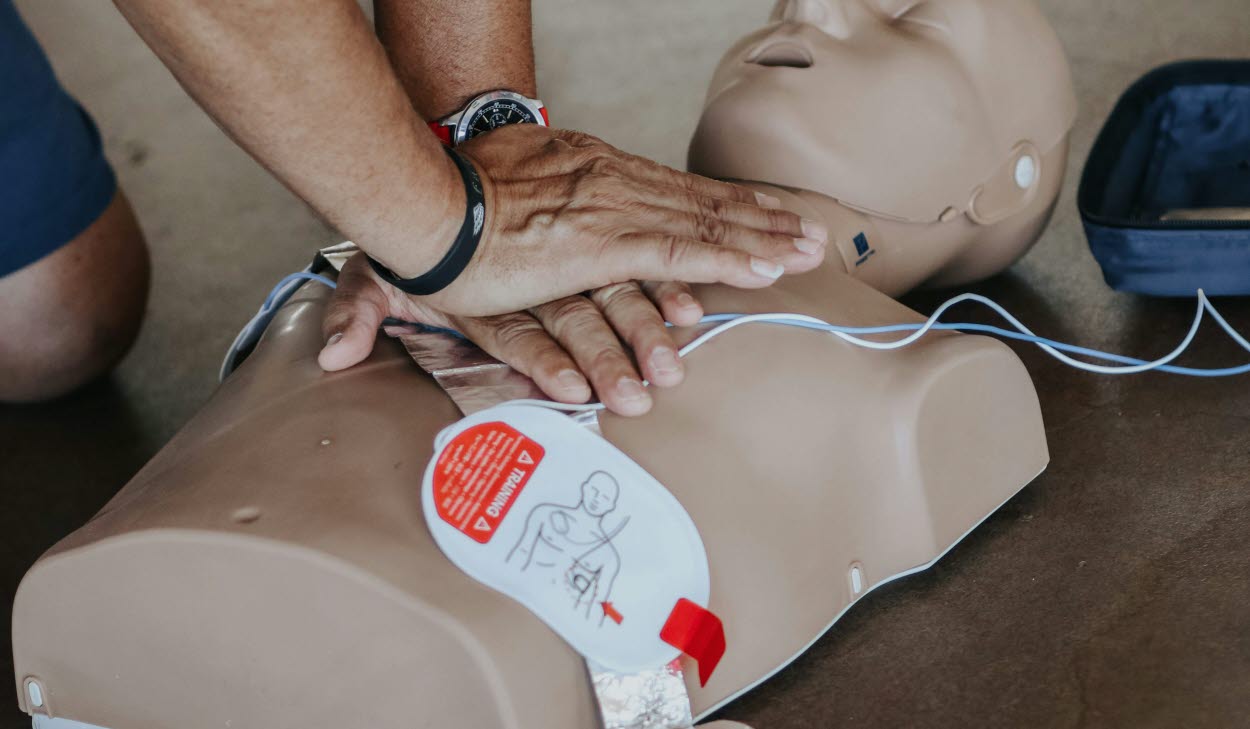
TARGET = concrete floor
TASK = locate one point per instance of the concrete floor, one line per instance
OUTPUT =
(1112, 592)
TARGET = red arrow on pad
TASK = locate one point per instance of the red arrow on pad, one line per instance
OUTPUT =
(611, 612)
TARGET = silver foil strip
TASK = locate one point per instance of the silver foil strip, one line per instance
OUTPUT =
(471, 378)
(654, 699)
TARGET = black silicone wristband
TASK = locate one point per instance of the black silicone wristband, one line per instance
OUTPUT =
(462, 249)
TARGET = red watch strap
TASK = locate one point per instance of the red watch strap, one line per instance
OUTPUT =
(442, 132)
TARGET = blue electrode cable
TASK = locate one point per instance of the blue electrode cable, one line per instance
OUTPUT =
(1132, 365)
(250, 334)
(290, 279)
(854, 335)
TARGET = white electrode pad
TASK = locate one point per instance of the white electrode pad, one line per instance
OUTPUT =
(531, 504)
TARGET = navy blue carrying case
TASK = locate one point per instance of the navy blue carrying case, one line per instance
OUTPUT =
(1165, 194)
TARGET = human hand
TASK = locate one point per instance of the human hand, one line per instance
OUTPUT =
(553, 344)
(568, 213)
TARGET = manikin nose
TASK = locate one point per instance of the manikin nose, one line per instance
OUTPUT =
(836, 18)
(812, 12)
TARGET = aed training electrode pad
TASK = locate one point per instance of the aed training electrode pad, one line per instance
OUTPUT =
(535, 506)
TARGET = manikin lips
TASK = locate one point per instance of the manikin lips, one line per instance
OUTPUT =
(782, 53)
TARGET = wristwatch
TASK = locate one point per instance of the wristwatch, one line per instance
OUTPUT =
(486, 112)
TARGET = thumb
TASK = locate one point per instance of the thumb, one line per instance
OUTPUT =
(351, 321)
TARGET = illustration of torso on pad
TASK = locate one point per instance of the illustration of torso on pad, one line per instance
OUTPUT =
(571, 544)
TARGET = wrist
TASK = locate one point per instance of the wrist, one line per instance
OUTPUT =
(464, 245)
(424, 235)
(488, 111)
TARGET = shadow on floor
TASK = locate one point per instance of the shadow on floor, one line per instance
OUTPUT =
(59, 463)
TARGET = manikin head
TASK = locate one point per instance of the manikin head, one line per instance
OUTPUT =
(920, 112)
(599, 493)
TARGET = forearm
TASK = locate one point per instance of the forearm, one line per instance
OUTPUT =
(306, 89)
(445, 53)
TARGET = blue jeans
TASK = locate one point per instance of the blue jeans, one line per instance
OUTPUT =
(54, 180)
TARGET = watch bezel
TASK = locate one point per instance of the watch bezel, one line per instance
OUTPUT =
(461, 132)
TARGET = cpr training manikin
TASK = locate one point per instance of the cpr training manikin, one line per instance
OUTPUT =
(381, 547)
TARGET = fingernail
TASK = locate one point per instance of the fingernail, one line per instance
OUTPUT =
(767, 269)
(630, 389)
(815, 231)
(767, 201)
(333, 340)
(571, 380)
(664, 361)
(686, 301)
(808, 245)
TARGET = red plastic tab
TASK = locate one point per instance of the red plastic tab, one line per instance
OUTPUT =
(698, 633)
(479, 476)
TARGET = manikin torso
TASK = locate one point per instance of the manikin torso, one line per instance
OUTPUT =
(271, 566)
(803, 462)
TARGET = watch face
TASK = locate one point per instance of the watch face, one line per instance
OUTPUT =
(498, 113)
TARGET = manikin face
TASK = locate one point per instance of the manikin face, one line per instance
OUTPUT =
(900, 108)
(599, 494)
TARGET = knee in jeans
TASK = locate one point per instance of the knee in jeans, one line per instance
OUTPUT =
(72, 316)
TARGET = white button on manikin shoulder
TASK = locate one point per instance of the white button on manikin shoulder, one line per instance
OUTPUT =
(1026, 172)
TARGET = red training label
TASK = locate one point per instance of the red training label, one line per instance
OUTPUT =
(480, 474)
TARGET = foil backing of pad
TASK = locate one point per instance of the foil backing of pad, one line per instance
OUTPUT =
(471, 378)
(654, 699)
